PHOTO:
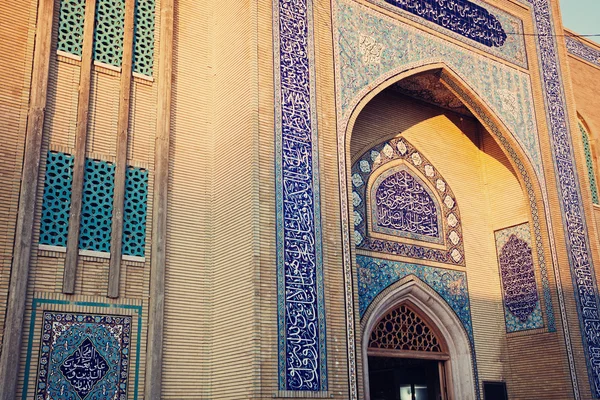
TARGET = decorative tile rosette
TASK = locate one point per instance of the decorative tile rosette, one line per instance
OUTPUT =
(433, 192)
(83, 357)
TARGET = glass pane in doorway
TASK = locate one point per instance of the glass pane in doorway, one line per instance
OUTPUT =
(421, 392)
(405, 392)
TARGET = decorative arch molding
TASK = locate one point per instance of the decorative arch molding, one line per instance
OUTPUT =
(392, 157)
(432, 305)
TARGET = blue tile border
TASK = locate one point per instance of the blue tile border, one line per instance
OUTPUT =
(301, 311)
(579, 49)
(580, 257)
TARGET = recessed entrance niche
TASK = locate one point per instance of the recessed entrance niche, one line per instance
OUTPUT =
(408, 358)
(436, 195)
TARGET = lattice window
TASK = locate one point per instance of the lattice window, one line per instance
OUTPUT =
(70, 26)
(134, 223)
(589, 160)
(97, 205)
(108, 31)
(143, 54)
(57, 199)
(403, 329)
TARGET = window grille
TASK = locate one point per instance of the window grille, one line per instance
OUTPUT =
(97, 205)
(70, 26)
(589, 161)
(134, 221)
(143, 52)
(108, 32)
(403, 329)
(57, 199)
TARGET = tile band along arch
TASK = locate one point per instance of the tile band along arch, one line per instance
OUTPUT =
(301, 311)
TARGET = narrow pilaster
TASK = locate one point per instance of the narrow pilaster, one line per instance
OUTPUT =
(81, 131)
(11, 345)
(154, 352)
(116, 239)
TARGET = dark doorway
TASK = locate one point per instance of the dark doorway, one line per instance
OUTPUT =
(404, 379)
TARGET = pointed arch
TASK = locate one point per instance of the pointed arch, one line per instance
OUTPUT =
(506, 140)
(429, 304)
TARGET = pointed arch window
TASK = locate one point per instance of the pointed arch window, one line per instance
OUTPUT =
(402, 329)
(589, 161)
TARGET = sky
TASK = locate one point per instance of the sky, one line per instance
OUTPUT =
(582, 16)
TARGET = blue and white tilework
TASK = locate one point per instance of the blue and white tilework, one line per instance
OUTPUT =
(403, 205)
(434, 192)
(580, 257)
(83, 357)
(579, 49)
(522, 309)
(301, 312)
(375, 274)
(505, 90)
(486, 27)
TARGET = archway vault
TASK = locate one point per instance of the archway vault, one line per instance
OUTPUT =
(520, 162)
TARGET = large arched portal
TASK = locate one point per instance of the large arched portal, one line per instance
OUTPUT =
(443, 229)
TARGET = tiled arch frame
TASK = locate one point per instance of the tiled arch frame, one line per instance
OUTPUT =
(456, 331)
(392, 155)
(525, 174)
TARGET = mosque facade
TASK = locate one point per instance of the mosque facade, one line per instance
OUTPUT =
(298, 199)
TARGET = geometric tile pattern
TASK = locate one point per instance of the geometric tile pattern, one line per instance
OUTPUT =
(412, 203)
(456, 19)
(83, 357)
(583, 51)
(580, 257)
(522, 309)
(70, 26)
(134, 216)
(54, 224)
(97, 205)
(589, 162)
(301, 311)
(143, 50)
(108, 31)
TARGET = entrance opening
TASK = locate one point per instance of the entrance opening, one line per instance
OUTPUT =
(405, 378)
(407, 357)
